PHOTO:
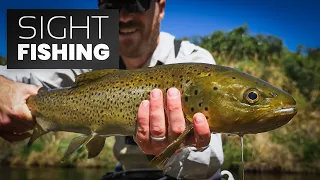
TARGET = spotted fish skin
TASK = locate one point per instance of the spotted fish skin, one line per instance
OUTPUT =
(106, 102)
(109, 104)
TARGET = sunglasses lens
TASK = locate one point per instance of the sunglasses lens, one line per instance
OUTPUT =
(130, 5)
(144, 3)
(104, 4)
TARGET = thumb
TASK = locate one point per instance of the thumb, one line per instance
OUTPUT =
(31, 89)
(27, 113)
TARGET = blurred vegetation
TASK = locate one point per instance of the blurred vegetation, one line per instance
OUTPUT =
(49, 149)
(3, 61)
(294, 147)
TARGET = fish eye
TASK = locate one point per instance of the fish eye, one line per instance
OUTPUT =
(252, 96)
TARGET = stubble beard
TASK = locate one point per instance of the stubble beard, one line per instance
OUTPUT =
(131, 49)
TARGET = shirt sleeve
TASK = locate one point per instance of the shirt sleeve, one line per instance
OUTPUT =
(51, 78)
(192, 53)
(191, 163)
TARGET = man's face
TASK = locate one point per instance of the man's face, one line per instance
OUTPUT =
(138, 32)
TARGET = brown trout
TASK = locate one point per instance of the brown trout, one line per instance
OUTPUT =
(104, 103)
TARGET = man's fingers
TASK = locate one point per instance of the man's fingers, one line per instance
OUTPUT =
(34, 90)
(142, 135)
(157, 117)
(176, 119)
(31, 90)
(15, 116)
(10, 125)
(201, 130)
(4, 119)
(11, 137)
(27, 115)
(190, 140)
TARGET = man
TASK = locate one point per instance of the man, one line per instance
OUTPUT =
(141, 45)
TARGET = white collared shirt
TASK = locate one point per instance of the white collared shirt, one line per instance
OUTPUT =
(165, 52)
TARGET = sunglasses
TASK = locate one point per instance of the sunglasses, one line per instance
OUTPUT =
(132, 6)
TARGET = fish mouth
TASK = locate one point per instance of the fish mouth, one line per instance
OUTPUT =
(286, 111)
(273, 120)
(289, 111)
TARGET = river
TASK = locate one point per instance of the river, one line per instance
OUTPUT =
(95, 174)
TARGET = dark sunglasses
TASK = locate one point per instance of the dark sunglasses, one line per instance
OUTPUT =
(132, 6)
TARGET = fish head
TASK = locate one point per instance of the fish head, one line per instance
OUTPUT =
(249, 105)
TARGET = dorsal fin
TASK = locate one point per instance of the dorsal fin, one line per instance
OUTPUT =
(93, 75)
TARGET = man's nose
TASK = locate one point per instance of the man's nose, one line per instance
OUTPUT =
(125, 16)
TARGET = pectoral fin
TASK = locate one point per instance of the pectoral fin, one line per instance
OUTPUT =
(37, 132)
(161, 160)
(95, 146)
(76, 143)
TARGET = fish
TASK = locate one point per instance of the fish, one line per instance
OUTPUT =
(105, 103)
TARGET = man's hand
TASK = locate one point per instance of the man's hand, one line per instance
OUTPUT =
(15, 117)
(151, 122)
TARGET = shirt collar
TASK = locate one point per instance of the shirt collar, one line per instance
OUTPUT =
(161, 54)
(163, 51)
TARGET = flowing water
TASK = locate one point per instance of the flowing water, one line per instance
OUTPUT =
(7, 173)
